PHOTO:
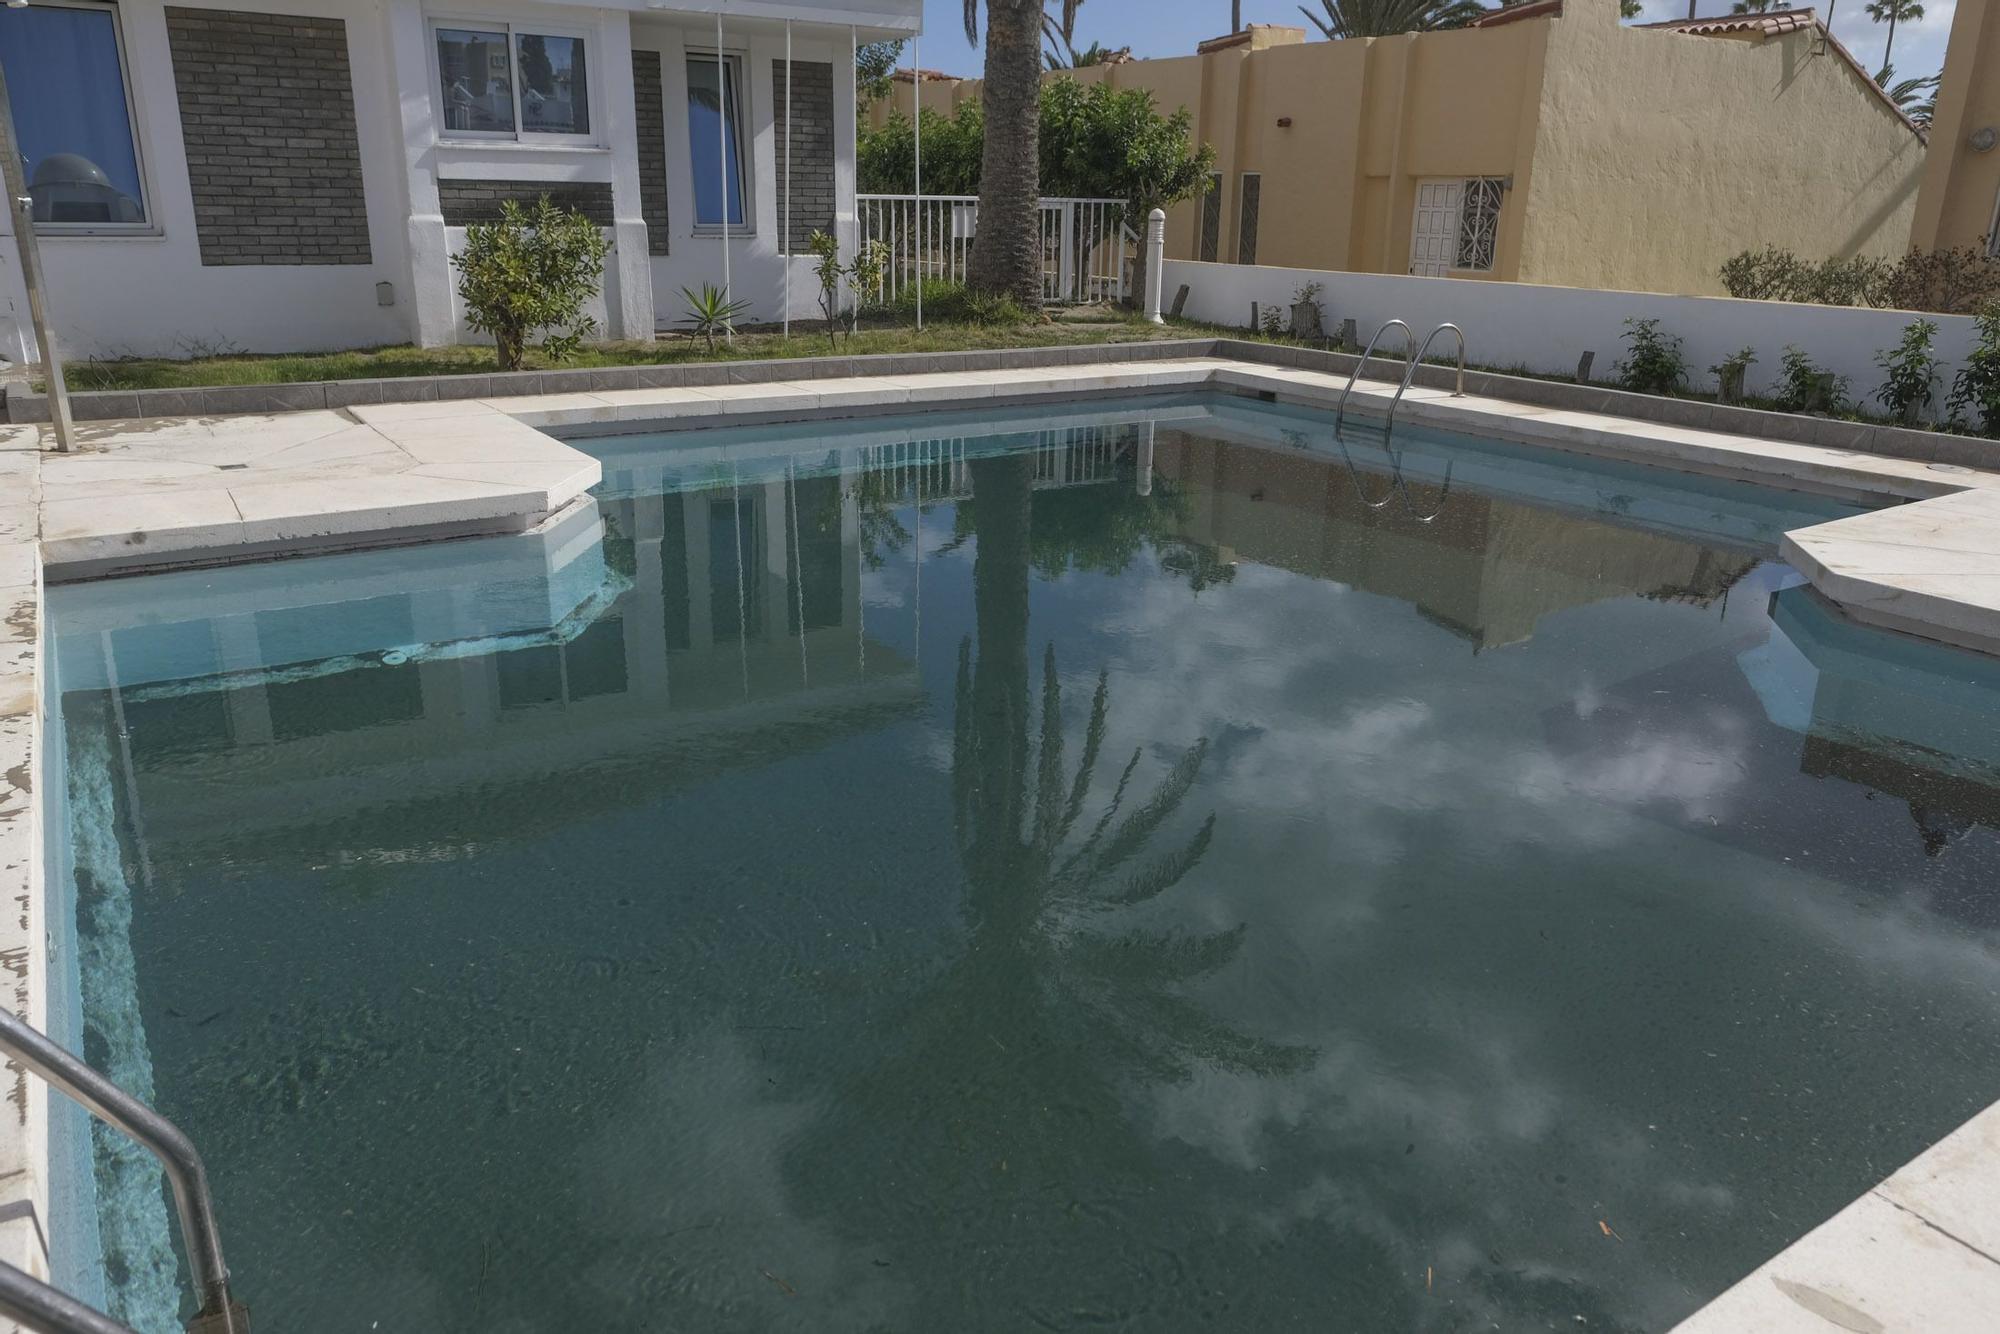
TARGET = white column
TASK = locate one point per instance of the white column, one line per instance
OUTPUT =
(1156, 262)
(628, 302)
(785, 226)
(722, 153)
(917, 116)
(430, 281)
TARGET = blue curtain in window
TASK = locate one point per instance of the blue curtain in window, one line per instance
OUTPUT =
(712, 94)
(68, 95)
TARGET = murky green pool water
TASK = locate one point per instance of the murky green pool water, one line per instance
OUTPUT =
(1139, 870)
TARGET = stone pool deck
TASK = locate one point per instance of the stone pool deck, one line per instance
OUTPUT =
(1919, 1252)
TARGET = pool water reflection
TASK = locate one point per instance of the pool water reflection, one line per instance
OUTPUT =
(1144, 870)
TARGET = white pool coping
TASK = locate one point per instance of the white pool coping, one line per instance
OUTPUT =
(1921, 1251)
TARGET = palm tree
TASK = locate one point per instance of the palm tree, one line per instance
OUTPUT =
(1385, 18)
(1917, 98)
(1006, 251)
(1750, 7)
(1890, 12)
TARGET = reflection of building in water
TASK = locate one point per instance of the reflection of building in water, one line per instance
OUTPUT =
(1484, 568)
(713, 627)
(735, 639)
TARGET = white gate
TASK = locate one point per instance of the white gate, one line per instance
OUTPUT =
(1085, 243)
(1434, 229)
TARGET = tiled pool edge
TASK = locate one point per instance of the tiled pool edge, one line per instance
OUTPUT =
(24, 1121)
(1886, 1259)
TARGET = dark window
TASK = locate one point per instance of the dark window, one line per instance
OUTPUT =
(1211, 220)
(1246, 221)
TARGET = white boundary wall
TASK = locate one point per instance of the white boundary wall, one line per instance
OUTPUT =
(1547, 329)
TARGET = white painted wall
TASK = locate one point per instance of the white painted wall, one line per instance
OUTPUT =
(149, 294)
(756, 269)
(1546, 329)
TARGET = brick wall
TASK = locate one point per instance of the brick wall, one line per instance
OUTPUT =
(812, 150)
(479, 201)
(650, 115)
(267, 113)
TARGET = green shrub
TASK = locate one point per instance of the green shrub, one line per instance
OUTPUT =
(1952, 281)
(1976, 388)
(1772, 274)
(1653, 363)
(1911, 371)
(531, 271)
(710, 312)
(954, 303)
(1805, 386)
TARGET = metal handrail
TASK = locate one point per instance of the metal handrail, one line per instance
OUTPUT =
(43, 1308)
(1409, 337)
(1399, 485)
(1410, 371)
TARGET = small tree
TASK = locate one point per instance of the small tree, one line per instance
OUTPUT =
(1653, 363)
(1911, 371)
(1976, 387)
(874, 62)
(825, 251)
(864, 277)
(533, 270)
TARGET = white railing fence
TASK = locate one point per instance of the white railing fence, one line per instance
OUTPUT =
(1086, 244)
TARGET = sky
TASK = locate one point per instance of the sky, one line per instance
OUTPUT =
(1172, 27)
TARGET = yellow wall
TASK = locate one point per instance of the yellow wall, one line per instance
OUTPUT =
(1638, 159)
(1659, 155)
(1955, 206)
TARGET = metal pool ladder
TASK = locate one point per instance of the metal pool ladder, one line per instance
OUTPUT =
(1409, 367)
(39, 1306)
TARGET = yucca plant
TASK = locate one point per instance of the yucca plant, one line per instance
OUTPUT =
(711, 312)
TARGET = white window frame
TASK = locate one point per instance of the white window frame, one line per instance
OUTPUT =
(514, 31)
(151, 225)
(746, 140)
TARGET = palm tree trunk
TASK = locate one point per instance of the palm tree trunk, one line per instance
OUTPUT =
(1889, 46)
(1006, 258)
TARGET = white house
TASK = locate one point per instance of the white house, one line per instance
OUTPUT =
(293, 175)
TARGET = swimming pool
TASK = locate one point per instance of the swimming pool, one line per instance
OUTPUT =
(1155, 866)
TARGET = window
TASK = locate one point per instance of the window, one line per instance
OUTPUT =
(1211, 219)
(1478, 224)
(66, 80)
(714, 143)
(499, 82)
(1248, 197)
(1993, 230)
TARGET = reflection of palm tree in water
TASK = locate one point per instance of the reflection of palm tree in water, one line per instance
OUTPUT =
(1000, 1111)
(1031, 883)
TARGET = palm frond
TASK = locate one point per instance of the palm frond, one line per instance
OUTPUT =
(1132, 833)
(1163, 873)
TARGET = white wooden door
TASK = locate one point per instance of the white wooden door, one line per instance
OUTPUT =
(1434, 229)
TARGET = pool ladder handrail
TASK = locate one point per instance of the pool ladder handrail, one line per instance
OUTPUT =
(1409, 337)
(1410, 365)
(1399, 485)
(1410, 371)
(39, 1306)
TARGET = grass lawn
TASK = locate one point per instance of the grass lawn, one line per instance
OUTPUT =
(806, 341)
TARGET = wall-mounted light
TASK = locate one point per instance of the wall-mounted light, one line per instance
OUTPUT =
(1983, 139)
